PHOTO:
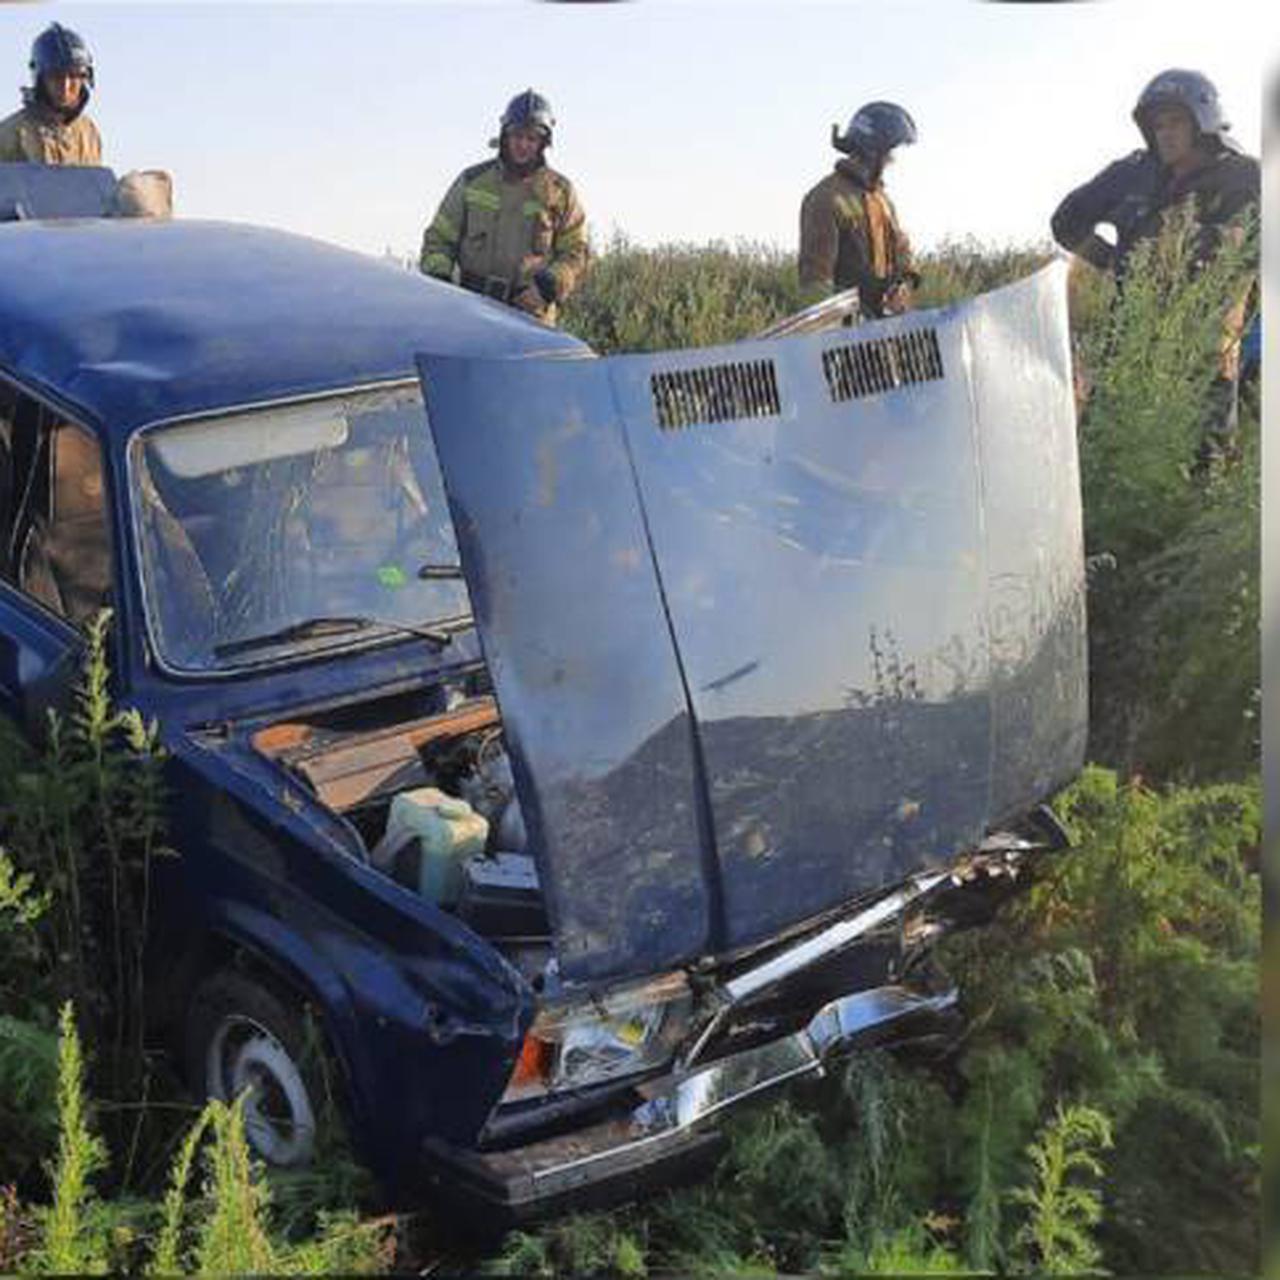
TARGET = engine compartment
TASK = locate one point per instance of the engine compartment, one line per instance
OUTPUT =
(438, 757)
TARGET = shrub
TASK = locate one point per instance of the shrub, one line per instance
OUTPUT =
(1063, 1203)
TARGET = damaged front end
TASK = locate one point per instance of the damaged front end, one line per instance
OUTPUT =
(618, 1091)
(785, 635)
(728, 681)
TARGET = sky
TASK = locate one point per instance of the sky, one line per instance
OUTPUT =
(678, 120)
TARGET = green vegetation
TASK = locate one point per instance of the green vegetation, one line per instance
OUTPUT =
(1174, 626)
(1100, 1111)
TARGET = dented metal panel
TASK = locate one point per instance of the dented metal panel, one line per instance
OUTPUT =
(569, 610)
(825, 571)
(792, 591)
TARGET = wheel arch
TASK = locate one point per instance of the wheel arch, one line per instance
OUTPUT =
(259, 947)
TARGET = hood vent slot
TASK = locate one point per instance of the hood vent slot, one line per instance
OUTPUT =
(882, 364)
(717, 393)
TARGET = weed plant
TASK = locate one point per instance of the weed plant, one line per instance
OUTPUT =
(86, 814)
(1063, 1203)
(226, 1229)
(82, 815)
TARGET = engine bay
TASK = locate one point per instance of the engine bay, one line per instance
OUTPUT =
(426, 781)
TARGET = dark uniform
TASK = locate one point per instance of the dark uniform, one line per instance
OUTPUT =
(1134, 194)
(850, 236)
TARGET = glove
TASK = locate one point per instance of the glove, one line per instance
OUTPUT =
(530, 300)
(546, 283)
(897, 299)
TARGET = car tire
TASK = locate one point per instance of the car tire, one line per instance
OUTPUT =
(241, 1038)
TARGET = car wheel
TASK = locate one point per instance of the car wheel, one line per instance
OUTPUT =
(242, 1039)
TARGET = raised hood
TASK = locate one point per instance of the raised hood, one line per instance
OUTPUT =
(776, 624)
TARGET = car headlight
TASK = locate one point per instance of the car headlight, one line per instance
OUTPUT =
(589, 1041)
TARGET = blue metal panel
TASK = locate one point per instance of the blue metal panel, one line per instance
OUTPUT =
(54, 191)
(825, 573)
(35, 651)
(569, 611)
(1023, 402)
(138, 320)
(835, 526)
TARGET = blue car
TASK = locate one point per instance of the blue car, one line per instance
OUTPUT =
(589, 744)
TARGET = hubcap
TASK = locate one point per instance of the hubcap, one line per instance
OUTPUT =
(244, 1057)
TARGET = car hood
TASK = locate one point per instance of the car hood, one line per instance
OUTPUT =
(772, 625)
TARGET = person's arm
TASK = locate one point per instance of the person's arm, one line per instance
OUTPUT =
(11, 151)
(900, 295)
(93, 143)
(819, 246)
(441, 239)
(567, 262)
(1226, 214)
(1075, 221)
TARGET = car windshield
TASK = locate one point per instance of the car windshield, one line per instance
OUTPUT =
(279, 532)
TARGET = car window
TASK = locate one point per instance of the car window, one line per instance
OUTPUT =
(255, 524)
(55, 543)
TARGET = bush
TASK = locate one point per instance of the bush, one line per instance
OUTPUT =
(683, 295)
(1174, 626)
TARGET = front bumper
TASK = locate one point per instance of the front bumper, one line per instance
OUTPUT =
(667, 1134)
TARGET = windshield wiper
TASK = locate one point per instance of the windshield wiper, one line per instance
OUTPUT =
(312, 628)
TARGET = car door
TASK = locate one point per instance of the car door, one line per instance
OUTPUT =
(54, 553)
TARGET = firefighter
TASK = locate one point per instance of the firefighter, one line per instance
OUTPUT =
(512, 228)
(52, 127)
(849, 231)
(1189, 155)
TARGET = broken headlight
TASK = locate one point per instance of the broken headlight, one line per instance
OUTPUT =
(589, 1041)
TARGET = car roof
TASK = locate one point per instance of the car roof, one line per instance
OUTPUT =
(136, 321)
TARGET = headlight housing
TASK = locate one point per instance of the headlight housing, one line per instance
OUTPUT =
(591, 1040)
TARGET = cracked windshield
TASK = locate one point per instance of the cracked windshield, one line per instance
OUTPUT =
(282, 532)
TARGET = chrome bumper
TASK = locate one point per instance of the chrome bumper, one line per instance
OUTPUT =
(836, 1028)
(670, 1123)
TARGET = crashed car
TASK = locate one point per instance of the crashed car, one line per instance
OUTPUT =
(590, 744)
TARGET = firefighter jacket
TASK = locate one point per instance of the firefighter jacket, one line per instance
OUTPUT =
(37, 134)
(500, 232)
(849, 236)
(1133, 194)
